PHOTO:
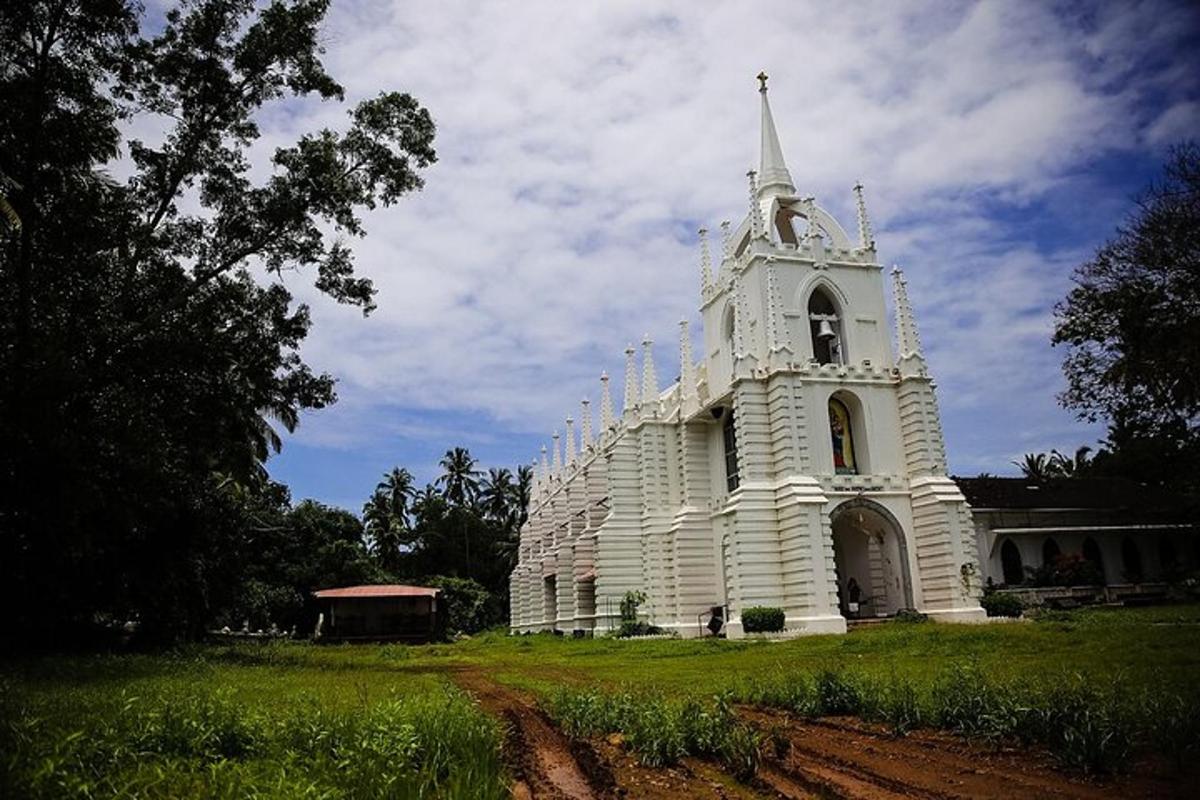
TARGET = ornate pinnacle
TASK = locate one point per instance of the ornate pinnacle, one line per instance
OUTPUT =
(907, 339)
(545, 469)
(631, 389)
(557, 455)
(569, 449)
(649, 376)
(757, 228)
(585, 425)
(726, 242)
(705, 262)
(606, 404)
(810, 211)
(687, 370)
(865, 238)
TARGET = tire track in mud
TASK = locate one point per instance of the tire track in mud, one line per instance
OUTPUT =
(850, 759)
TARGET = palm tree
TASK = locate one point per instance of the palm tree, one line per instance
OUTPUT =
(1072, 467)
(497, 495)
(522, 491)
(400, 490)
(459, 479)
(1037, 466)
(385, 534)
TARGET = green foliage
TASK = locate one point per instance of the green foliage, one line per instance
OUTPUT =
(1067, 569)
(761, 619)
(470, 607)
(660, 730)
(1134, 316)
(206, 731)
(150, 343)
(1002, 604)
(629, 605)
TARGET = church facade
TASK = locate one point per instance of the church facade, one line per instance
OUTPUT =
(798, 463)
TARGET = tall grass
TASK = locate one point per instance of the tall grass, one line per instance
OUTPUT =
(658, 729)
(1092, 726)
(204, 743)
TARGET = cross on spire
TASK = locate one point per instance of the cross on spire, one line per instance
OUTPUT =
(762, 81)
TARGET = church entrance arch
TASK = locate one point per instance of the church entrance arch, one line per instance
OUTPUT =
(871, 560)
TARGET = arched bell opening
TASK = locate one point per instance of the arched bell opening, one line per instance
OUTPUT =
(871, 561)
(825, 328)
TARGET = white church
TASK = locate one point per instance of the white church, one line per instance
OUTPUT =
(798, 463)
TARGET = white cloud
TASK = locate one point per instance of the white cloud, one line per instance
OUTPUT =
(579, 144)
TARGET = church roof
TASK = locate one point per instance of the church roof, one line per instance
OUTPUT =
(1112, 494)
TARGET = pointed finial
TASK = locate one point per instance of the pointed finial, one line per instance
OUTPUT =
(545, 469)
(649, 377)
(585, 425)
(772, 171)
(631, 395)
(907, 339)
(687, 370)
(762, 81)
(556, 463)
(569, 449)
(757, 228)
(705, 262)
(606, 403)
(865, 239)
(726, 241)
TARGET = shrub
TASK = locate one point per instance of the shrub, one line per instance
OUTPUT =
(762, 619)
(998, 604)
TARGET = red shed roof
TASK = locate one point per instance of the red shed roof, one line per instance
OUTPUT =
(378, 590)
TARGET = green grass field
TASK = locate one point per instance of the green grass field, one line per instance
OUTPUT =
(296, 720)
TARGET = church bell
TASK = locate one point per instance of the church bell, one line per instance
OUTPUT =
(825, 330)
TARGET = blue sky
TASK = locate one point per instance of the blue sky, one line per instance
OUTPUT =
(581, 145)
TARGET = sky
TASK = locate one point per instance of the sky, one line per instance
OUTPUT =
(580, 146)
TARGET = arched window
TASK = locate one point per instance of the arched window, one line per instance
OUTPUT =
(842, 436)
(1092, 554)
(1050, 551)
(729, 435)
(1131, 559)
(1010, 562)
(826, 328)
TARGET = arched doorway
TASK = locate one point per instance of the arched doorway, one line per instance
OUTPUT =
(1010, 563)
(1131, 558)
(1092, 554)
(871, 560)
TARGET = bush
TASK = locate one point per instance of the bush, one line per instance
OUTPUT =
(997, 604)
(762, 619)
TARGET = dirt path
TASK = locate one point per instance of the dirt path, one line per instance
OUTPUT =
(546, 764)
(841, 758)
(847, 758)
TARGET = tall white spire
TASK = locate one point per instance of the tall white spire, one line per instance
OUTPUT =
(866, 240)
(569, 449)
(649, 378)
(545, 469)
(606, 404)
(726, 241)
(772, 171)
(536, 471)
(907, 340)
(557, 455)
(687, 370)
(705, 262)
(585, 425)
(631, 391)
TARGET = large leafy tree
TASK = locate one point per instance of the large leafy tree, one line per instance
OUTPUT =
(459, 480)
(149, 346)
(1131, 326)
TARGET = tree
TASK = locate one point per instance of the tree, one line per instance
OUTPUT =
(498, 494)
(459, 479)
(1131, 324)
(1036, 466)
(149, 345)
(399, 488)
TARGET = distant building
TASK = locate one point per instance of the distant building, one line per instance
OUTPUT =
(1133, 539)
(801, 453)
(388, 612)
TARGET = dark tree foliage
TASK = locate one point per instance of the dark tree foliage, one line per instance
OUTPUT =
(459, 533)
(1131, 327)
(148, 345)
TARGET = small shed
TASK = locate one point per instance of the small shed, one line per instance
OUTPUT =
(384, 612)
